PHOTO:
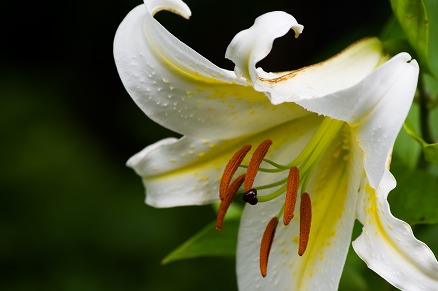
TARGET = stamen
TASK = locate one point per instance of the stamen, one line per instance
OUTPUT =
(293, 181)
(231, 168)
(226, 202)
(254, 163)
(265, 247)
(305, 222)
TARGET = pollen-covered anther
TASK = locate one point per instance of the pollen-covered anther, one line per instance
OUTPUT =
(231, 168)
(228, 198)
(265, 246)
(293, 181)
(305, 222)
(254, 163)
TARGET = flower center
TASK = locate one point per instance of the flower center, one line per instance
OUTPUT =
(299, 173)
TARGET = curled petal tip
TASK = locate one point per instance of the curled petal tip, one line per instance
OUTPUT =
(253, 44)
(298, 29)
(175, 6)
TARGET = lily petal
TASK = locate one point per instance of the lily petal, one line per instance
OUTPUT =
(187, 171)
(254, 44)
(333, 203)
(375, 108)
(388, 245)
(177, 7)
(339, 72)
(181, 90)
(184, 171)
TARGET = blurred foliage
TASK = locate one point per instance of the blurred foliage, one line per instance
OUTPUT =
(430, 150)
(72, 215)
(411, 15)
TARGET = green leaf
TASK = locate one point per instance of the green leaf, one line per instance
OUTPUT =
(432, 13)
(353, 275)
(233, 212)
(392, 30)
(209, 241)
(431, 153)
(406, 149)
(408, 128)
(415, 199)
(356, 275)
(430, 150)
(411, 14)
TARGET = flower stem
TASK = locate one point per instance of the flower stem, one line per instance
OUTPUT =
(426, 132)
(424, 112)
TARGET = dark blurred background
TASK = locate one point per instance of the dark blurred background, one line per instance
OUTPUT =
(72, 215)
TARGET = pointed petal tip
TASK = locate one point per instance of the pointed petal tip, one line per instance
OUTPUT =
(135, 162)
(298, 29)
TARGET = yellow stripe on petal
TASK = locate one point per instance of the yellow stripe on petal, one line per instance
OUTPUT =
(332, 216)
(388, 245)
(333, 189)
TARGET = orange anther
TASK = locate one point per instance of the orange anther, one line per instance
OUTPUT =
(265, 247)
(231, 168)
(293, 181)
(226, 202)
(254, 163)
(305, 222)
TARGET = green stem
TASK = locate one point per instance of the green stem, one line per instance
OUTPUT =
(426, 132)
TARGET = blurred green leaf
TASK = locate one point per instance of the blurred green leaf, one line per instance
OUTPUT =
(394, 38)
(415, 200)
(431, 153)
(411, 14)
(233, 212)
(392, 30)
(209, 241)
(430, 150)
(407, 151)
(432, 13)
(353, 276)
(394, 46)
(356, 274)
(408, 128)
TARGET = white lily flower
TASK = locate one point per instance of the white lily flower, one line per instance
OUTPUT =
(332, 126)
